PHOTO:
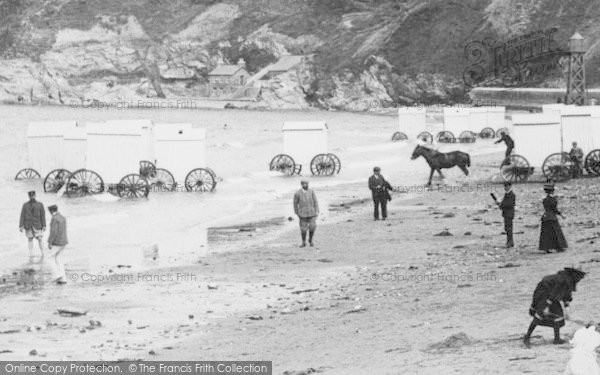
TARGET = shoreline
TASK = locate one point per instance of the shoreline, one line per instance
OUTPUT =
(390, 110)
(272, 300)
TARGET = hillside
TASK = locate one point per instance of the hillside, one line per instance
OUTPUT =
(402, 51)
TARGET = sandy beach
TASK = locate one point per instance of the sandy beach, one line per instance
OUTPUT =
(391, 297)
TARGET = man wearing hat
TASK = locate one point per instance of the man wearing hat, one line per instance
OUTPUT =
(551, 234)
(57, 240)
(549, 297)
(379, 191)
(33, 222)
(306, 208)
(507, 205)
(576, 155)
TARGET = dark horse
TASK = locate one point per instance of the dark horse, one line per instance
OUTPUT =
(440, 160)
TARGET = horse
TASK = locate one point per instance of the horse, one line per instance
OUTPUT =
(441, 160)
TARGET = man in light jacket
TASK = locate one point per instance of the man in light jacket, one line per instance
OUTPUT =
(56, 244)
(306, 208)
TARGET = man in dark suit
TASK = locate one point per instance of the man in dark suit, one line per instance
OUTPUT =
(507, 205)
(379, 191)
(57, 240)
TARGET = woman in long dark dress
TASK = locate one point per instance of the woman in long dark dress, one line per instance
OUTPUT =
(549, 296)
(551, 235)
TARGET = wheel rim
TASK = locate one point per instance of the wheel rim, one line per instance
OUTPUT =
(147, 169)
(163, 180)
(55, 180)
(84, 182)
(284, 164)
(487, 133)
(27, 174)
(445, 137)
(592, 162)
(399, 136)
(467, 137)
(322, 164)
(337, 164)
(426, 136)
(133, 186)
(199, 180)
(500, 131)
(517, 171)
(558, 167)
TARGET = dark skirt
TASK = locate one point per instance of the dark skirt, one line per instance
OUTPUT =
(555, 319)
(551, 236)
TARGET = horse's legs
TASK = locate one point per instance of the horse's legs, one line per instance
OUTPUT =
(430, 177)
(464, 169)
(439, 171)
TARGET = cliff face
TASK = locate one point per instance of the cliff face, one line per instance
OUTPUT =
(362, 51)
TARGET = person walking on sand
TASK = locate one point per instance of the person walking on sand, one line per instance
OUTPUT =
(380, 192)
(33, 223)
(551, 234)
(57, 240)
(507, 205)
(510, 145)
(306, 207)
(550, 297)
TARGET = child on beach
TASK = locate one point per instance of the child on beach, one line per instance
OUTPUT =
(583, 355)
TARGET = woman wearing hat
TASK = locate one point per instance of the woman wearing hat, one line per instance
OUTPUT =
(551, 235)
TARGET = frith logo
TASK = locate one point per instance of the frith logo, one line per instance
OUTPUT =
(522, 60)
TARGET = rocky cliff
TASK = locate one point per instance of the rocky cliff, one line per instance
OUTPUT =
(363, 52)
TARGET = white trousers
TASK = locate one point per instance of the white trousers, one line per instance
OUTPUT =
(57, 264)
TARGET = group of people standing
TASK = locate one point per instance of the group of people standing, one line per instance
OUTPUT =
(551, 234)
(33, 223)
(306, 205)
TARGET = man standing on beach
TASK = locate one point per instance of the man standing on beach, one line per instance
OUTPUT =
(33, 222)
(57, 240)
(379, 190)
(508, 213)
(576, 155)
(306, 208)
(510, 144)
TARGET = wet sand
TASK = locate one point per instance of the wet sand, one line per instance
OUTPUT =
(382, 297)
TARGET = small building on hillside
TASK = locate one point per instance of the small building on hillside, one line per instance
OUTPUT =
(227, 79)
(284, 65)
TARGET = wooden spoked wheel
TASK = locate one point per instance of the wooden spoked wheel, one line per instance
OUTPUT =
(467, 137)
(283, 163)
(592, 162)
(487, 133)
(425, 137)
(55, 180)
(323, 165)
(163, 180)
(517, 170)
(399, 136)
(133, 186)
(84, 182)
(27, 174)
(558, 167)
(200, 180)
(445, 137)
(147, 169)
